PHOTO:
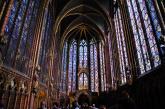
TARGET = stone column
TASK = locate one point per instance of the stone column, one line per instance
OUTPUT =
(34, 56)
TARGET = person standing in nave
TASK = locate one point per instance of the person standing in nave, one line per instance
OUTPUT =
(55, 105)
(93, 107)
(1, 105)
(126, 102)
(102, 107)
(75, 105)
(43, 105)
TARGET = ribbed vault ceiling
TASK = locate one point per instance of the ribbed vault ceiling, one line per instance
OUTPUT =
(88, 18)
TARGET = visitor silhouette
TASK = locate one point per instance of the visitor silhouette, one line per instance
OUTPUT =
(126, 102)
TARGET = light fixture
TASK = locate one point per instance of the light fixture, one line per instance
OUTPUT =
(23, 86)
(12, 83)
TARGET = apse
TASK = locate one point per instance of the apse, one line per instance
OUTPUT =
(83, 64)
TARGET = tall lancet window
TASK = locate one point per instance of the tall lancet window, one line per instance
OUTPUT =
(83, 81)
(146, 29)
(83, 54)
(121, 46)
(102, 67)
(19, 31)
(84, 74)
(94, 67)
(19, 10)
(63, 71)
(72, 67)
(24, 37)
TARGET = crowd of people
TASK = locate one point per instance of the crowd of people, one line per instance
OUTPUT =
(74, 105)
(124, 102)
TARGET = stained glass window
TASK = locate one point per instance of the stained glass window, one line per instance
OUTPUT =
(121, 46)
(24, 37)
(156, 27)
(150, 34)
(83, 81)
(83, 54)
(154, 18)
(102, 68)
(82, 76)
(94, 67)
(20, 32)
(111, 60)
(31, 29)
(12, 33)
(16, 30)
(64, 70)
(72, 67)
(11, 17)
(147, 50)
